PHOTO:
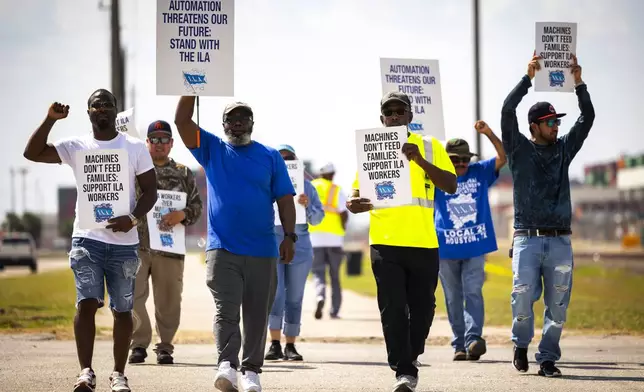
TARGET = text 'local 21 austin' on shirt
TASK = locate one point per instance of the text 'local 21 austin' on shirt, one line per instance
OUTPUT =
(139, 162)
(463, 220)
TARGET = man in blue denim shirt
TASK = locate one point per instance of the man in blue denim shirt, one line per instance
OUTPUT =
(542, 215)
(291, 278)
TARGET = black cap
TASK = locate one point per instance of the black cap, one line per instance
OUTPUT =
(160, 126)
(395, 96)
(542, 111)
(458, 147)
(236, 105)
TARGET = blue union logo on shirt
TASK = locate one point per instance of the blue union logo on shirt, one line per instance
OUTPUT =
(557, 78)
(385, 190)
(103, 212)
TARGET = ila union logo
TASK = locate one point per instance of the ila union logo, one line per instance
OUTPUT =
(385, 190)
(167, 241)
(103, 212)
(194, 80)
(556, 78)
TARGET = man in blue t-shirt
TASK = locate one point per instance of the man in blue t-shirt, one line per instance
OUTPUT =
(245, 178)
(465, 236)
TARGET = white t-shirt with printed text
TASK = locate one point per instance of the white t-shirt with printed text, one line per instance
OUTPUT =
(140, 162)
(328, 240)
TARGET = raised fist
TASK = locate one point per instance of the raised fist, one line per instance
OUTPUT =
(533, 65)
(482, 127)
(57, 111)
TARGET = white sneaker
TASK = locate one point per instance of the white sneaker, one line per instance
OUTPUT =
(86, 381)
(250, 382)
(118, 382)
(226, 378)
(405, 384)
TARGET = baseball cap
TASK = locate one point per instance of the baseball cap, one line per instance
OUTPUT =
(236, 105)
(458, 147)
(160, 126)
(286, 147)
(327, 169)
(395, 96)
(541, 111)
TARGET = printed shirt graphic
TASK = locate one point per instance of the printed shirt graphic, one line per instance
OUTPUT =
(463, 220)
(139, 163)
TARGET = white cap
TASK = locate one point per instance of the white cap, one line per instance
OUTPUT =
(327, 169)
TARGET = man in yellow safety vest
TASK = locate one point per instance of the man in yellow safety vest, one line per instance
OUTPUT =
(327, 239)
(404, 246)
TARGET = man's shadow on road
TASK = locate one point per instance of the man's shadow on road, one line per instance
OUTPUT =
(271, 367)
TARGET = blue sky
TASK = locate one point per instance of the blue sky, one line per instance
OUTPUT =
(311, 72)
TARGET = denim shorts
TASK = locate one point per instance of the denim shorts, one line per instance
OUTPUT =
(95, 262)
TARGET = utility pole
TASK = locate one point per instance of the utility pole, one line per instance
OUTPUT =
(23, 172)
(477, 72)
(117, 53)
(12, 171)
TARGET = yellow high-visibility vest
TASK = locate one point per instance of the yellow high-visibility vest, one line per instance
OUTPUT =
(411, 225)
(329, 195)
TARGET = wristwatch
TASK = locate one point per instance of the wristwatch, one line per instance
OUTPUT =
(133, 219)
(292, 236)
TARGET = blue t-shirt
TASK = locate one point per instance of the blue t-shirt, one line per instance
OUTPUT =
(243, 183)
(463, 220)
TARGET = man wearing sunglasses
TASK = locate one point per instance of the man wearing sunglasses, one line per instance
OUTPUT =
(245, 178)
(466, 235)
(165, 268)
(542, 215)
(404, 247)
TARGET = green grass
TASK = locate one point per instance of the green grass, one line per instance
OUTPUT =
(607, 301)
(39, 301)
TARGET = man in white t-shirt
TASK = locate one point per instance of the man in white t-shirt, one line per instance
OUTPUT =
(327, 239)
(104, 244)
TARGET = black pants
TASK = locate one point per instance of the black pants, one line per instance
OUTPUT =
(406, 279)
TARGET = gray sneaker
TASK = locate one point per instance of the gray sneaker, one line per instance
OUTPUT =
(118, 382)
(86, 381)
(405, 384)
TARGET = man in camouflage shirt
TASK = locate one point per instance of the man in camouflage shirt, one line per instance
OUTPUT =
(166, 269)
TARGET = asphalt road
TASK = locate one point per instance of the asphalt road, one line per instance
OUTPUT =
(32, 364)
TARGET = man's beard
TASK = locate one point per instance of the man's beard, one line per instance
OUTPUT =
(240, 140)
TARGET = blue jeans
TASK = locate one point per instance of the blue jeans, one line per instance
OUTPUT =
(287, 307)
(534, 258)
(95, 262)
(462, 282)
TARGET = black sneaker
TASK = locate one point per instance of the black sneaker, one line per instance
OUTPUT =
(318, 309)
(290, 353)
(548, 369)
(476, 349)
(520, 361)
(164, 358)
(460, 355)
(138, 355)
(274, 352)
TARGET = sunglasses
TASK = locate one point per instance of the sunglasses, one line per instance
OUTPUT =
(552, 121)
(157, 140)
(243, 118)
(460, 159)
(390, 112)
(289, 158)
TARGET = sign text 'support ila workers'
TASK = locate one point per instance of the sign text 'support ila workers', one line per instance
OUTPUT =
(420, 80)
(555, 43)
(195, 47)
(103, 186)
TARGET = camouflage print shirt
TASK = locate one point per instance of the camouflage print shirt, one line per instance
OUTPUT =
(173, 177)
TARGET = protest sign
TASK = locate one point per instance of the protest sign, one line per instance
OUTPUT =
(383, 170)
(163, 238)
(195, 47)
(103, 183)
(555, 43)
(125, 123)
(296, 173)
(420, 80)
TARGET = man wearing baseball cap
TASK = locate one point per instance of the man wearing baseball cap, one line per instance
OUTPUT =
(404, 247)
(328, 241)
(465, 235)
(245, 178)
(542, 215)
(165, 268)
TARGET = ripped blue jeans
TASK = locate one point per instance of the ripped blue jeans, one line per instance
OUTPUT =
(534, 259)
(95, 262)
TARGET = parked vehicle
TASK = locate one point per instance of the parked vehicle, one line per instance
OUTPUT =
(18, 249)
